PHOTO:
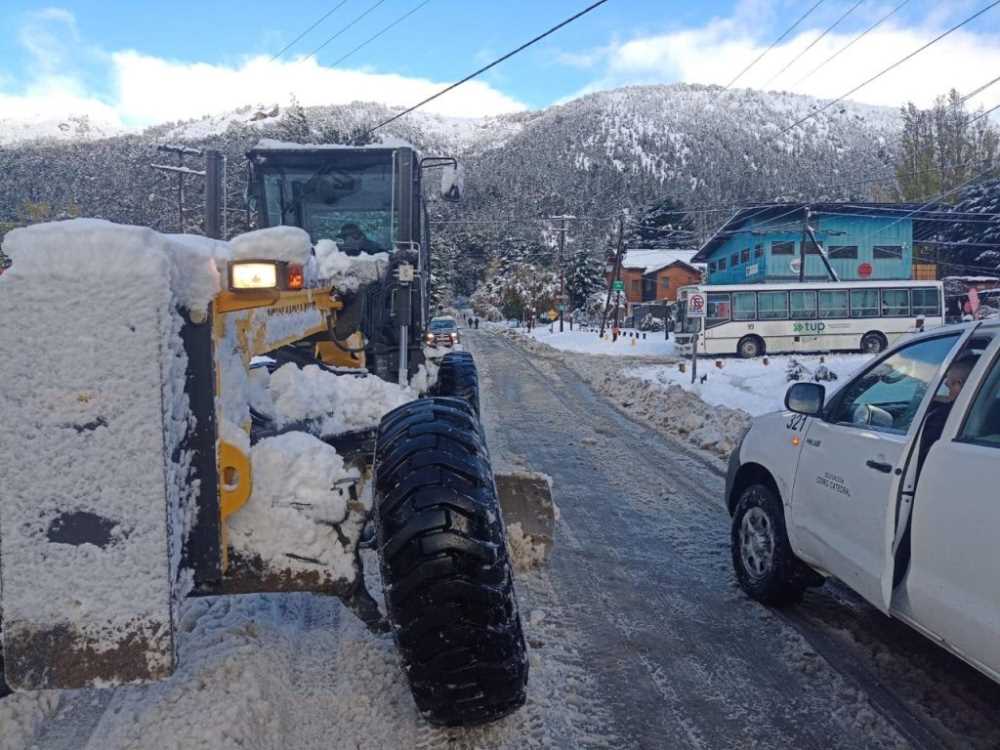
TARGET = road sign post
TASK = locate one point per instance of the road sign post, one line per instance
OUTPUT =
(696, 305)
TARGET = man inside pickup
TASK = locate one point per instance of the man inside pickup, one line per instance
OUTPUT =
(954, 380)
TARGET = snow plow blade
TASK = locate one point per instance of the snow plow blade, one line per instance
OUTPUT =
(529, 514)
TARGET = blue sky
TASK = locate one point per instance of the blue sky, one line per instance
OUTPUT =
(139, 62)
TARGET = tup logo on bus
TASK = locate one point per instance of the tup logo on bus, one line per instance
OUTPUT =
(817, 327)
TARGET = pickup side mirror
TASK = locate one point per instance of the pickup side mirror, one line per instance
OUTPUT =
(805, 398)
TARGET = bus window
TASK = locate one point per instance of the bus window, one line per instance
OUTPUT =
(745, 256)
(744, 306)
(719, 310)
(895, 303)
(802, 305)
(864, 303)
(772, 305)
(833, 304)
(734, 260)
(758, 251)
(926, 302)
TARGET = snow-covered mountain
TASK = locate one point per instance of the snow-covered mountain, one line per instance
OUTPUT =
(705, 147)
(71, 128)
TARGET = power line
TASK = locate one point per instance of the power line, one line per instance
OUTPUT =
(317, 23)
(981, 115)
(814, 42)
(775, 43)
(851, 43)
(348, 26)
(980, 90)
(371, 39)
(493, 64)
(895, 65)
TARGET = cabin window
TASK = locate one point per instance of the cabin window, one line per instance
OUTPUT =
(745, 256)
(864, 303)
(722, 264)
(802, 305)
(833, 304)
(636, 286)
(782, 248)
(843, 252)
(926, 302)
(711, 267)
(895, 303)
(758, 252)
(772, 305)
(888, 252)
(744, 306)
(734, 260)
(665, 282)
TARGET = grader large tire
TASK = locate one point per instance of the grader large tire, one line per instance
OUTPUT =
(458, 378)
(447, 578)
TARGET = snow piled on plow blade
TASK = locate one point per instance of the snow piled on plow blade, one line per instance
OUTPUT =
(93, 413)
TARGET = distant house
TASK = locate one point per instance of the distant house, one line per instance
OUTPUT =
(651, 275)
(763, 243)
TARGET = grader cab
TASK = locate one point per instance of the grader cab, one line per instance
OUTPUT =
(187, 417)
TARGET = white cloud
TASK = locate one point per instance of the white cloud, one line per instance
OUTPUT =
(143, 90)
(716, 52)
(151, 89)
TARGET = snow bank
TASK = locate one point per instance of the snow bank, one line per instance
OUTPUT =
(21, 715)
(337, 403)
(347, 272)
(288, 244)
(300, 515)
(746, 384)
(585, 341)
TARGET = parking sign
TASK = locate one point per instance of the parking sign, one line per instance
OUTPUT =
(696, 305)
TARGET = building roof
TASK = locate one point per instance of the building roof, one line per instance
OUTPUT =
(650, 261)
(929, 221)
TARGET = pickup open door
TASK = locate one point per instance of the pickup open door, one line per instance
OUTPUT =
(951, 589)
(844, 502)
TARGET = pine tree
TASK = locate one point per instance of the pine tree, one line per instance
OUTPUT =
(584, 276)
(942, 148)
(294, 125)
(661, 225)
(978, 257)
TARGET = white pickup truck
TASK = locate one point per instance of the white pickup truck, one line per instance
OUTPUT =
(890, 484)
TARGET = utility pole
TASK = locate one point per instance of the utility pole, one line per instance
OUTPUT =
(562, 268)
(615, 273)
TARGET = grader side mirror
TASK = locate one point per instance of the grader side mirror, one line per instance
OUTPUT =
(453, 182)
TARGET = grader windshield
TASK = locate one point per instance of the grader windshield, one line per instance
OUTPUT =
(361, 198)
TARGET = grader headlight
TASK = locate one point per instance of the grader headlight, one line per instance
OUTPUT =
(245, 275)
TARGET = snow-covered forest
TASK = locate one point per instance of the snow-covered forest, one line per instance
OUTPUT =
(630, 149)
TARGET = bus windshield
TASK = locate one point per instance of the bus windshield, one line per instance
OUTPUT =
(350, 203)
(685, 324)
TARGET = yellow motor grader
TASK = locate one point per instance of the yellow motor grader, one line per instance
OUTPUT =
(139, 468)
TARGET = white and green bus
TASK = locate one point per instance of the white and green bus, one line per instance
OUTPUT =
(754, 319)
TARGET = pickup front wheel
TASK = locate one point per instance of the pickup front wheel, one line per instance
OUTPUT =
(766, 567)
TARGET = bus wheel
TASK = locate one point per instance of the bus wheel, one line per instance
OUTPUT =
(750, 347)
(873, 342)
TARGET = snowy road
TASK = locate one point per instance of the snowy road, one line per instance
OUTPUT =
(639, 637)
(679, 656)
